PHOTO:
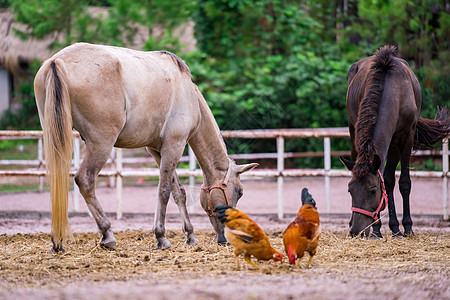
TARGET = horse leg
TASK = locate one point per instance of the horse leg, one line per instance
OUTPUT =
(376, 233)
(404, 185)
(168, 163)
(389, 181)
(179, 195)
(95, 158)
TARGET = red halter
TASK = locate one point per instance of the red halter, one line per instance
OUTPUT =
(222, 186)
(384, 199)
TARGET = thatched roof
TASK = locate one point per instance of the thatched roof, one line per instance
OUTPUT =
(14, 51)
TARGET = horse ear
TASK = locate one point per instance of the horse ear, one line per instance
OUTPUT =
(352, 71)
(244, 168)
(376, 163)
(347, 163)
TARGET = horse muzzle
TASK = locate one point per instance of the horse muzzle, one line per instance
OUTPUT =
(360, 225)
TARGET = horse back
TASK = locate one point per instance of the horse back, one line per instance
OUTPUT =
(401, 95)
(127, 96)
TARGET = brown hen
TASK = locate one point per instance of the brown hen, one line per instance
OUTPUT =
(302, 235)
(246, 236)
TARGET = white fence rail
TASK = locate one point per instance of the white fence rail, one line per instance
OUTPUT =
(119, 171)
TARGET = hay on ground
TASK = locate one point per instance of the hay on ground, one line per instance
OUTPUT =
(25, 260)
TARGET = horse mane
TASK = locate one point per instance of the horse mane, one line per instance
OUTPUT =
(178, 61)
(382, 62)
(207, 111)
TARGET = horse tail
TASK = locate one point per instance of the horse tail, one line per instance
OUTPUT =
(383, 61)
(58, 139)
(430, 132)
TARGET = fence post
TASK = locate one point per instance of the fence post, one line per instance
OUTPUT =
(112, 179)
(327, 159)
(280, 168)
(76, 165)
(192, 167)
(445, 178)
(41, 163)
(119, 183)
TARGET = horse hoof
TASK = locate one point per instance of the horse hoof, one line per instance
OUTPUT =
(163, 243)
(397, 234)
(221, 240)
(109, 246)
(191, 241)
(409, 233)
(108, 241)
(56, 250)
(375, 236)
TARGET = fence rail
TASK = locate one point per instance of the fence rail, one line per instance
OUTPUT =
(119, 171)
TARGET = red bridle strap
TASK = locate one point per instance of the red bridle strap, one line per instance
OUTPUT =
(384, 200)
(222, 186)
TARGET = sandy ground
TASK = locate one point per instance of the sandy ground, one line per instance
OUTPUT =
(357, 278)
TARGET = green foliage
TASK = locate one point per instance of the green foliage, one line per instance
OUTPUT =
(14, 188)
(7, 144)
(73, 21)
(126, 17)
(265, 63)
(229, 29)
(426, 164)
(266, 67)
(45, 17)
(420, 30)
(18, 149)
(5, 3)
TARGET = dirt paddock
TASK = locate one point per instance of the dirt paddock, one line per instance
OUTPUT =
(416, 267)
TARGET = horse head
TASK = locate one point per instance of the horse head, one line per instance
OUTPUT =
(226, 191)
(368, 196)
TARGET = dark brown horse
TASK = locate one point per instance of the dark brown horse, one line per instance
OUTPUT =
(383, 106)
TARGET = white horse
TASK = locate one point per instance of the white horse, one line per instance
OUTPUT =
(117, 97)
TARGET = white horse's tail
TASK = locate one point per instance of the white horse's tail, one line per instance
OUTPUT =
(58, 139)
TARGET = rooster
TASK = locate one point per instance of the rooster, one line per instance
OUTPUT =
(246, 236)
(304, 232)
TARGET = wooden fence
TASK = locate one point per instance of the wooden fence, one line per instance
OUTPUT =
(118, 171)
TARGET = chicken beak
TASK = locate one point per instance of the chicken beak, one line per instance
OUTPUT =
(278, 257)
(291, 256)
(292, 260)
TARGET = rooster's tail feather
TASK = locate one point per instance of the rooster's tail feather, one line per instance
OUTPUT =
(221, 210)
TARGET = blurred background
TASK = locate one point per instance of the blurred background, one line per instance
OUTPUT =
(260, 64)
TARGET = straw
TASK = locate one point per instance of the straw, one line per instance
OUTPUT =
(25, 260)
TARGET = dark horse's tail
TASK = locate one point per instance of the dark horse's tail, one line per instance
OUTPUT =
(429, 132)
